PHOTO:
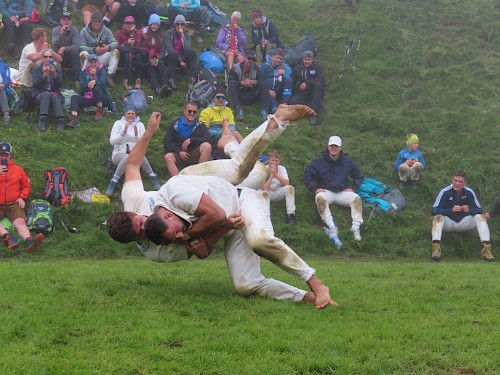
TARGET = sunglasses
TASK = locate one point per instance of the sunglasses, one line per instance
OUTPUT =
(251, 59)
(192, 111)
(220, 97)
(179, 24)
(48, 57)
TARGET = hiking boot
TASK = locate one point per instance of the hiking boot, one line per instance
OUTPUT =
(263, 113)
(73, 122)
(33, 244)
(240, 115)
(111, 188)
(154, 181)
(138, 83)
(290, 219)
(42, 123)
(110, 81)
(197, 37)
(98, 113)
(126, 84)
(486, 253)
(164, 91)
(313, 120)
(6, 119)
(172, 84)
(60, 124)
(356, 232)
(11, 49)
(436, 251)
(11, 241)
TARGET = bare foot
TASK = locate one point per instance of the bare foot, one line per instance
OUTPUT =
(293, 112)
(227, 135)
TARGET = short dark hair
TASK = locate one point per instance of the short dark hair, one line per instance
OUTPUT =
(275, 154)
(460, 173)
(154, 227)
(119, 226)
(279, 51)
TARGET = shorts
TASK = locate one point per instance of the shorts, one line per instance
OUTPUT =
(12, 211)
(92, 8)
(194, 158)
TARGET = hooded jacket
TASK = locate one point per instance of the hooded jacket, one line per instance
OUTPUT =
(14, 184)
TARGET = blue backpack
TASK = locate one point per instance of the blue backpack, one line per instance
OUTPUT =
(137, 98)
(381, 198)
(212, 60)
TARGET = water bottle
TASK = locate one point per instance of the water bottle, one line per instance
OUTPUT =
(17, 21)
(113, 106)
(335, 239)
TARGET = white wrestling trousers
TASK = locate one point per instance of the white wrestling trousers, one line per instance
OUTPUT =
(345, 199)
(442, 223)
(243, 159)
(284, 192)
(257, 237)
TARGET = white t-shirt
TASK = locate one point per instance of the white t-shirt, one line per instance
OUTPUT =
(182, 194)
(136, 199)
(24, 60)
(275, 183)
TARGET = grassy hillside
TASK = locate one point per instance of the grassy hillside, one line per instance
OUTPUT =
(430, 68)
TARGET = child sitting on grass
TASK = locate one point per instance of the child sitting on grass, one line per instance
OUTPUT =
(410, 162)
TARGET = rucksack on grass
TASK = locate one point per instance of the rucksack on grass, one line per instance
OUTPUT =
(381, 198)
(56, 186)
(203, 91)
(40, 217)
(294, 54)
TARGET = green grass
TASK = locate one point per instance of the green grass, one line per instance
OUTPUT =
(140, 317)
(429, 68)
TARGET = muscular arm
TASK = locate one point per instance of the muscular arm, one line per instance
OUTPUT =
(210, 216)
(133, 168)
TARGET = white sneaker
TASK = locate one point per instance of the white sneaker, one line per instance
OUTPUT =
(357, 234)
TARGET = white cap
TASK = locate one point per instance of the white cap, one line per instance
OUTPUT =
(335, 140)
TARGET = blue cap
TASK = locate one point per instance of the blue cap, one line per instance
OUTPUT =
(92, 56)
(154, 18)
(129, 107)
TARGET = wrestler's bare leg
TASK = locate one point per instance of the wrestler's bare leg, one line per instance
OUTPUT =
(322, 293)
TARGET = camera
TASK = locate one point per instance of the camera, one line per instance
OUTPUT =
(4, 162)
(52, 63)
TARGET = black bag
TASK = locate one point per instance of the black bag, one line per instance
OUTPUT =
(397, 201)
(293, 54)
(26, 101)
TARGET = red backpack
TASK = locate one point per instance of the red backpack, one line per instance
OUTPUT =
(56, 186)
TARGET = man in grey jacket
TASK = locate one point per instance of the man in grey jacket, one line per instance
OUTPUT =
(98, 39)
(66, 42)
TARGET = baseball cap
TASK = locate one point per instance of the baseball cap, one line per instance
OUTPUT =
(335, 140)
(5, 148)
(66, 15)
(129, 19)
(92, 56)
(251, 54)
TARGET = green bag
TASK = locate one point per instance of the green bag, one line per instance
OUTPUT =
(40, 217)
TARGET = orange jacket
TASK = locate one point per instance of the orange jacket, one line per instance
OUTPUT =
(14, 184)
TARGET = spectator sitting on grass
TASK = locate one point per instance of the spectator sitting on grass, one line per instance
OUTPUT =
(5, 91)
(15, 188)
(410, 162)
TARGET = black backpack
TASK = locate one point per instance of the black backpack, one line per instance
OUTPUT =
(203, 91)
(56, 187)
(294, 54)
(54, 13)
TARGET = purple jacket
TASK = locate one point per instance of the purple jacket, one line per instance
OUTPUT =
(224, 42)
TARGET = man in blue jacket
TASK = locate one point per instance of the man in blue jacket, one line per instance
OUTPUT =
(275, 80)
(328, 178)
(457, 209)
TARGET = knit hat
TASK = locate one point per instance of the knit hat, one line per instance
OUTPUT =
(335, 140)
(154, 18)
(220, 90)
(308, 54)
(180, 19)
(5, 148)
(129, 19)
(96, 17)
(129, 107)
(412, 139)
